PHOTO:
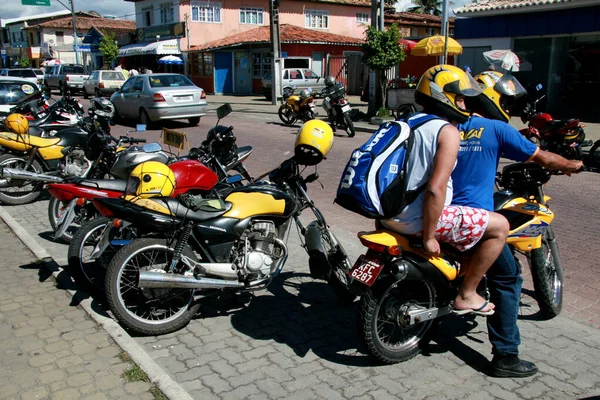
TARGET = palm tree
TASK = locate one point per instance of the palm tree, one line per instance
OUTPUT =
(433, 7)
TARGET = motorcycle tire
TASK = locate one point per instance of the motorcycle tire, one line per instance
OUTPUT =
(594, 155)
(337, 279)
(54, 214)
(349, 125)
(547, 276)
(379, 318)
(286, 115)
(129, 304)
(9, 197)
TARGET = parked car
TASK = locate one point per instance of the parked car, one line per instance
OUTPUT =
(156, 97)
(13, 89)
(25, 73)
(301, 78)
(102, 82)
(63, 76)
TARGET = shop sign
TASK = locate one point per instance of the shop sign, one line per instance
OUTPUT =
(36, 3)
(169, 31)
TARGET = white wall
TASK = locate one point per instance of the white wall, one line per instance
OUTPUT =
(155, 4)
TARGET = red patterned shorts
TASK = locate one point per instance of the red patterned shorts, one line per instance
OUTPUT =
(461, 227)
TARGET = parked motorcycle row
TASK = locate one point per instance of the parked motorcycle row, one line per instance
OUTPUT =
(301, 107)
(155, 233)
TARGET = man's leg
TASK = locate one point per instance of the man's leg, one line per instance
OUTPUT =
(482, 257)
(504, 282)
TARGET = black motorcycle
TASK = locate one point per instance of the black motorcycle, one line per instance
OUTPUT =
(337, 108)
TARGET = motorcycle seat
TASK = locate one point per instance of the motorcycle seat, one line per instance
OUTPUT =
(557, 124)
(181, 211)
(116, 185)
(34, 141)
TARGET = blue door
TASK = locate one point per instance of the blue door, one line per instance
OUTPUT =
(223, 73)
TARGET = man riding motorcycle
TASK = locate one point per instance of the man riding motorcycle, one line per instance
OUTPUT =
(482, 142)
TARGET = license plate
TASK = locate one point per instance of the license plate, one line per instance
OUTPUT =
(182, 98)
(366, 270)
(345, 108)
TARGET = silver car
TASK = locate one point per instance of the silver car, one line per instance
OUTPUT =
(13, 89)
(102, 82)
(156, 97)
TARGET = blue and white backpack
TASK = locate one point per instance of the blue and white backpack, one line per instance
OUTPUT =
(375, 178)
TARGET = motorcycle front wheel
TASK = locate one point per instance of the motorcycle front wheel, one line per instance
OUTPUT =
(594, 155)
(349, 125)
(147, 311)
(547, 276)
(15, 191)
(286, 115)
(338, 279)
(87, 272)
(383, 313)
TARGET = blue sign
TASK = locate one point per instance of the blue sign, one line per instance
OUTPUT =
(83, 47)
(284, 54)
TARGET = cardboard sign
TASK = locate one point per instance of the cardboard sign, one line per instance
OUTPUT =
(174, 138)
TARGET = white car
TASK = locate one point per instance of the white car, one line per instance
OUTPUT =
(12, 90)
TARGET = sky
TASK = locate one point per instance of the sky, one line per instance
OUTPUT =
(118, 8)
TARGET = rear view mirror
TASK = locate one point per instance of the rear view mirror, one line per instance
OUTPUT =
(223, 111)
(140, 127)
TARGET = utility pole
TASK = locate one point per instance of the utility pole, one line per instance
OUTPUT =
(276, 52)
(186, 16)
(445, 30)
(375, 22)
(76, 45)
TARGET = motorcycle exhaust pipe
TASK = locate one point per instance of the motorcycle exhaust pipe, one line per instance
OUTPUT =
(13, 173)
(161, 280)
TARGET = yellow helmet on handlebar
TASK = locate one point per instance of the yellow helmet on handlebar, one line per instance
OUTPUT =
(17, 123)
(151, 179)
(313, 142)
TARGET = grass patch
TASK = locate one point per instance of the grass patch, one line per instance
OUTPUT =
(157, 393)
(123, 356)
(135, 374)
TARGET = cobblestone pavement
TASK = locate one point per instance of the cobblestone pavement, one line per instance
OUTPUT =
(48, 348)
(295, 341)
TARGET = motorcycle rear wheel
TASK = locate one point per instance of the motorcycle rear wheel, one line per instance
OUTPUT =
(547, 276)
(338, 279)
(286, 115)
(349, 125)
(147, 311)
(382, 327)
(594, 155)
(54, 213)
(32, 189)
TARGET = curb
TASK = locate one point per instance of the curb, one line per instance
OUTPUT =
(156, 374)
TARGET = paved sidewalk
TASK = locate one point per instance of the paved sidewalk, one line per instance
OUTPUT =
(295, 341)
(49, 347)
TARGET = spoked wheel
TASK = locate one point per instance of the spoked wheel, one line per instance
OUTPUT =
(57, 208)
(547, 276)
(384, 325)
(87, 272)
(286, 115)
(17, 191)
(147, 311)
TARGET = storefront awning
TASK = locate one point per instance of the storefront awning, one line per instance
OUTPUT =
(163, 47)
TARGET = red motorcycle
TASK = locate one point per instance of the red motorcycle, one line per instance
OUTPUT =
(563, 137)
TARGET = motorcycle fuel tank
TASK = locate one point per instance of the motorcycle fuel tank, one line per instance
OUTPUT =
(192, 175)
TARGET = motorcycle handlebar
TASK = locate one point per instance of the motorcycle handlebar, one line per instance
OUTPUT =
(127, 139)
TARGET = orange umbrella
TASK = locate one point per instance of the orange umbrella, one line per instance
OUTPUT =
(434, 46)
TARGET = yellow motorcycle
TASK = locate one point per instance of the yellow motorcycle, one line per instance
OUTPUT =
(296, 107)
(404, 289)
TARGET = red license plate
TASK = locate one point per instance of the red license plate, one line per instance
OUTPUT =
(366, 270)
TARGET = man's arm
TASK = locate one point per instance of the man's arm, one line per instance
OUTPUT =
(555, 162)
(435, 193)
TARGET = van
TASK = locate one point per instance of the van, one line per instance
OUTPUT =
(301, 78)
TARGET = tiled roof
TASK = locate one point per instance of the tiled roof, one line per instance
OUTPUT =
(287, 34)
(113, 30)
(362, 3)
(414, 19)
(85, 23)
(489, 5)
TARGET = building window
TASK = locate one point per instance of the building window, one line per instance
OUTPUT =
(31, 41)
(14, 35)
(414, 32)
(253, 16)
(318, 19)
(60, 38)
(206, 12)
(362, 18)
(261, 64)
(430, 31)
(167, 13)
(202, 64)
(147, 16)
(22, 36)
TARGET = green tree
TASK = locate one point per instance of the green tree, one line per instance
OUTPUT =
(432, 7)
(382, 52)
(108, 48)
(23, 62)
